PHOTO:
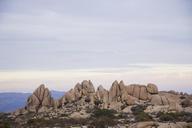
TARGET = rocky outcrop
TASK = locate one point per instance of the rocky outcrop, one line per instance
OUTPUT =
(84, 90)
(116, 91)
(141, 92)
(41, 97)
(118, 97)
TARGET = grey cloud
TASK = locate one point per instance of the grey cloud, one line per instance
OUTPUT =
(79, 34)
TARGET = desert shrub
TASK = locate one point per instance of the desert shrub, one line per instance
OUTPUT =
(167, 117)
(181, 116)
(182, 97)
(189, 126)
(97, 102)
(87, 99)
(104, 113)
(140, 115)
(186, 103)
(103, 122)
(5, 125)
(138, 109)
(64, 115)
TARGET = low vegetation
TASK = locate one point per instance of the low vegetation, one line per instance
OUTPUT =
(186, 103)
(140, 115)
(174, 117)
(103, 118)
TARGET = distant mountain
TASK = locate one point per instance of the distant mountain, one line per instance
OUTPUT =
(10, 101)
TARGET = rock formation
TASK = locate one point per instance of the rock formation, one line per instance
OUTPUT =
(118, 97)
(83, 90)
(40, 100)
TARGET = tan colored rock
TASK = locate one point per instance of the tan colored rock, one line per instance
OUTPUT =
(156, 100)
(114, 92)
(136, 91)
(129, 100)
(56, 104)
(152, 88)
(42, 109)
(127, 109)
(102, 94)
(70, 96)
(165, 101)
(79, 115)
(172, 100)
(115, 105)
(149, 124)
(87, 87)
(143, 93)
(21, 111)
(173, 125)
(78, 91)
(130, 89)
(40, 97)
(85, 91)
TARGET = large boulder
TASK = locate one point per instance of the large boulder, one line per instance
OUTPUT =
(152, 88)
(156, 100)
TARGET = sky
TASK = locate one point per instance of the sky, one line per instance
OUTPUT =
(60, 43)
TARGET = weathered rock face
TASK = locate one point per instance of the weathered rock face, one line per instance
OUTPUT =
(115, 92)
(41, 97)
(138, 91)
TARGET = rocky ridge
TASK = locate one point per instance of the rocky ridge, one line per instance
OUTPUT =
(118, 95)
(81, 101)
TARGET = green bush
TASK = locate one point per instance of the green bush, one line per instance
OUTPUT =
(4, 125)
(104, 113)
(138, 109)
(140, 115)
(97, 102)
(103, 122)
(181, 116)
(186, 103)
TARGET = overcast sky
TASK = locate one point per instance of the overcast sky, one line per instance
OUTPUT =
(41, 37)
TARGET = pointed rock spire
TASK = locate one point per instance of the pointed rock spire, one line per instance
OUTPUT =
(41, 97)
